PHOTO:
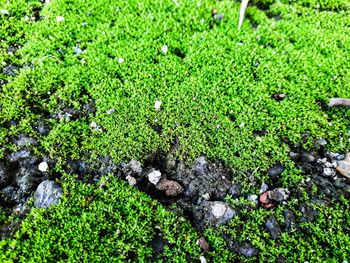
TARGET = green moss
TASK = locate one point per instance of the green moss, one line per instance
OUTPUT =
(113, 223)
(215, 84)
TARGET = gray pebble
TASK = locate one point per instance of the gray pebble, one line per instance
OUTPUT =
(247, 250)
(48, 193)
(273, 226)
(19, 155)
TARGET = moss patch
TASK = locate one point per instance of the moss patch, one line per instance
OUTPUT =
(216, 86)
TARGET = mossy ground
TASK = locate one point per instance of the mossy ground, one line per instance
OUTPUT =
(215, 84)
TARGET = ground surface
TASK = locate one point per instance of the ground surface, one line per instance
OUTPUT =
(83, 89)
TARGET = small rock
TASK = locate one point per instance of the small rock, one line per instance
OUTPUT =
(206, 196)
(131, 180)
(22, 140)
(309, 214)
(340, 183)
(218, 17)
(165, 49)
(110, 111)
(328, 172)
(307, 157)
(19, 155)
(158, 241)
(95, 126)
(279, 96)
(10, 70)
(278, 194)
(132, 168)
(273, 226)
(325, 186)
(77, 50)
(43, 167)
(121, 60)
(235, 190)
(247, 250)
(203, 244)
(48, 193)
(289, 220)
(154, 176)
(264, 187)
(157, 104)
(220, 212)
(26, 182)
(275, 171)
(265, 200)
(295, 156)
(201, 166)
(4, 12)
(202, 259)
(171, 188)
(343, 166)
(59, 18)
(253, 198)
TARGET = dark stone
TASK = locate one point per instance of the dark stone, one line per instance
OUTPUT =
(279, 96)
(5, 176)
(235, 190)
(201, 166)
(307, 157)
(27, 181)
(289, 220)
(10, 197)
(247, 250)
(275, 171)
(90, 107)
(19, 155)
(278, 194)
(48, 193)
(295, 156)
(77, 167)
(10, 70)
(273, 226)
(105, 166)
(340, 183)
(325, 186)
(23, 140)
(309, 214)
(132, 168)
(158, 242)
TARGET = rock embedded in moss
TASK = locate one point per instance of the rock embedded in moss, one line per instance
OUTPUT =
(47, 194)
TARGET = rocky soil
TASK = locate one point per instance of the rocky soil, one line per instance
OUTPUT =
(199, 190)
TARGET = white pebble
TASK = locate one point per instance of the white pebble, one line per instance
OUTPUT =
(59, 18)
(202, 259)
(165, 49)
(4, 12)
(121, 60)
(43, 167)
(110, 111)
(157, 104)
(154, 177)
